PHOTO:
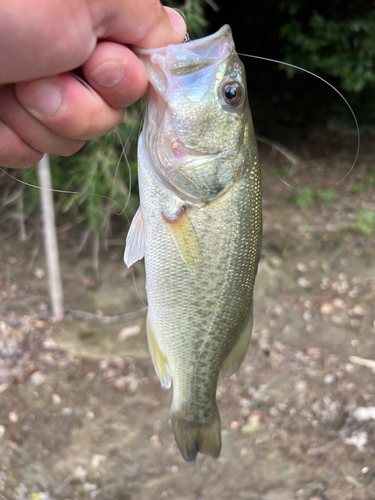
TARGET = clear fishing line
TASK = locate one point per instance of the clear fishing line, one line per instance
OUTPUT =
(333, 88)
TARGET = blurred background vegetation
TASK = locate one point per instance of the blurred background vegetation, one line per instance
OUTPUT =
(334, 39)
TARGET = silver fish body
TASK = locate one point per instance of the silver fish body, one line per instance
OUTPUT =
(198, 226)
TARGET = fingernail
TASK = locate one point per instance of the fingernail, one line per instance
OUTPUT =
(43, 96)
(109, 73)
(177, 21)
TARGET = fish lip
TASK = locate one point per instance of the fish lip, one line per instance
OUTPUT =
(224, 32)
(173, 60)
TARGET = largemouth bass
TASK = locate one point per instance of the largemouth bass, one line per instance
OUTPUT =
(198, 226)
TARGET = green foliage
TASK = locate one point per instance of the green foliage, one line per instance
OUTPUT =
(371, 178)
(365, 221)
(325, 196)
(303, 199)
(340, 48)
(356, 188)
(306, 197)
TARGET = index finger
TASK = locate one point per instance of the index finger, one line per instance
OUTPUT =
(146, 24)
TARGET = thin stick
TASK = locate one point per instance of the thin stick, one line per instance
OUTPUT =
(95, 257)
(50, 238)
(108, 320)
(22, 231)
(63, 484)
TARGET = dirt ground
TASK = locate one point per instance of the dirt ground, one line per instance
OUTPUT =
(83, 415)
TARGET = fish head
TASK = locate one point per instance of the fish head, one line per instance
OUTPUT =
(197, 123)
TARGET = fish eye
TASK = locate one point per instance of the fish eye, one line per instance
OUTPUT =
(232, 94)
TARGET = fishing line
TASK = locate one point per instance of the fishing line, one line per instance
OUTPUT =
(123, 153)
(60, 190)
(337, 91)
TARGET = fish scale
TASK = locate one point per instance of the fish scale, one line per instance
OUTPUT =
(201, 243)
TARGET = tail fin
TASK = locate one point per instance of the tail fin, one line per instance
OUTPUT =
(197, 436)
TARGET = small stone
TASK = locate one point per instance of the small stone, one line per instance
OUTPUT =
(130, 331)
(120, 382)
(359, 440)
(79, 473)
(303, 282)
(365, 470)
(2, 431)
(56, 399)
(301, 386)
(66, 411)
(90, 415)
(39, 273)
(40, 324)
(96, 460)
(326, 308)
(328, 379)
(365, 413)
(89, 486)
(234, 425)
(133, 386)
(103, 364)
(339, 303)
(13, 417)
(3, 387)
(38, 378)
(338, 320)
(49, 344)
(358, 310)
(276, 262)
(156, 441)
(307, 316)
(301, 267)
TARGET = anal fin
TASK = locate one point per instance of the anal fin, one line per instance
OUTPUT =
(158, 358)
(234, 359)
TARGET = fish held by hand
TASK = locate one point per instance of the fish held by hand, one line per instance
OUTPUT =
(199, 226)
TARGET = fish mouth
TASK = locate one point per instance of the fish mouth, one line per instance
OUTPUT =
(165, 64)
(191, 56)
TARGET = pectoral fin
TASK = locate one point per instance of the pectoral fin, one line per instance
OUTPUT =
(234, 359)
(185, 239)
(135, 240)
(158, 358)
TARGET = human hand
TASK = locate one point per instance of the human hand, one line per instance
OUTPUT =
(43, 108)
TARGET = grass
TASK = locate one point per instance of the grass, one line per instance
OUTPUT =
(307, 196)
(365, 221)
